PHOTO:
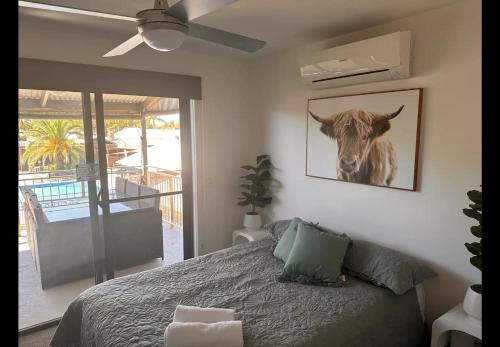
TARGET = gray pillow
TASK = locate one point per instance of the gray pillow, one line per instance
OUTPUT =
(278, 228)
(384, 267)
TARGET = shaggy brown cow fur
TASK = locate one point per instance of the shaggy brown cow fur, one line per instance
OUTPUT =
(364, 156)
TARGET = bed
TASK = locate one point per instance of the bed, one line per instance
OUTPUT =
(134, 310)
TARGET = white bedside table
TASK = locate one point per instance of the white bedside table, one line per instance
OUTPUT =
(454, 319)
(246, 235)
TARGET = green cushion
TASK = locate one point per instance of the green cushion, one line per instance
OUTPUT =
(286, 241)
(316, 256)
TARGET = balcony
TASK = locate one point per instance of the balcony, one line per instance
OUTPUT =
(59, 189)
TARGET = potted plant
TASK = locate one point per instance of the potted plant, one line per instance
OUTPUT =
(472, 302)
(256, 192)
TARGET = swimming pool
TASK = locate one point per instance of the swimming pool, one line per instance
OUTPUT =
(60, 190)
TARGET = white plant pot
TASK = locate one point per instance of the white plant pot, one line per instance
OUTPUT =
(472, 302)
(252, 221)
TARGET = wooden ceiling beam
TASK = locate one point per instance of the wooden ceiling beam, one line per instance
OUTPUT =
(150, 102)
(160, 113)
(74, 116)
(44, 98)
(70, 105)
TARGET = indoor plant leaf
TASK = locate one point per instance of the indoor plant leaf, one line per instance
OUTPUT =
(249, 167)
(476, 207)
(260, 204)
(475, 196)
(265, 175)
(474, 248)
(262, 157)
(473, 214)
(477, 261)
(259, 190)
(249, 176)
(265, 164)
(476, 231)
(266, 199)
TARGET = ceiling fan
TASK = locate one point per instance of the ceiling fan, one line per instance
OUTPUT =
(165, 27)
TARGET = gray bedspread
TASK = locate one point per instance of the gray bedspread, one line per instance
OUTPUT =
(134, 310)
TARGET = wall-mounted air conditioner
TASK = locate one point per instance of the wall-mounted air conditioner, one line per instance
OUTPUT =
(380, 58)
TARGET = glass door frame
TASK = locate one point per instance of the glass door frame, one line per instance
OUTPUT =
(186, 191)
(97, 254)
(92, 187)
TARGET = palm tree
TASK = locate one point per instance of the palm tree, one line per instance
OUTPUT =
(52, 144)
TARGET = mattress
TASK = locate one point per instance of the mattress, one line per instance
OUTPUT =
(135, 310)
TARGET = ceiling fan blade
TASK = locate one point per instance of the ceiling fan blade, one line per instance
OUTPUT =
(187, 10)
(225, 38)
(126, 46)
(64, 9)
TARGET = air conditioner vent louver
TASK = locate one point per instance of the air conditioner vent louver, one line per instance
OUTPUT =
(351, 75)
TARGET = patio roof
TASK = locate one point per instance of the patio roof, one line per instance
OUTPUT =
(45, 104)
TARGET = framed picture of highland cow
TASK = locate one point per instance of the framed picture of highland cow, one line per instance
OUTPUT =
(370, 138)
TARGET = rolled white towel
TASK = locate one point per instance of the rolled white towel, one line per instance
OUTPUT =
(202, 315)
(191, 334)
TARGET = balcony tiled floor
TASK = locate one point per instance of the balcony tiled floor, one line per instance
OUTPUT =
(37, 305)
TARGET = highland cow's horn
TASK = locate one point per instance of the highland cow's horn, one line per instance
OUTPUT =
(394, 114)
(319, 119)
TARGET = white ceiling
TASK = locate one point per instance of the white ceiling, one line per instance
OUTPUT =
(282, 23)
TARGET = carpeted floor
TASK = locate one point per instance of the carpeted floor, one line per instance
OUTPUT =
(37, 339)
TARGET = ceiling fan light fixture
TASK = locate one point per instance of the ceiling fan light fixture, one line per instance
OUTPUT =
(163, 36)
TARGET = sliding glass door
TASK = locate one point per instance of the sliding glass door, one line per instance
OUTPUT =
(140, 156)
(105, 178)
(100, 193)
(58, 232)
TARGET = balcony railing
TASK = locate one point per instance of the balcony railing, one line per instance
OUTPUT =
(61, 188)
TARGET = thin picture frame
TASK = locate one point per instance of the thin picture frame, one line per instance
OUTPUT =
(414, 186)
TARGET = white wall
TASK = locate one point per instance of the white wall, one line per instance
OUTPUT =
(427, 224)
(224, 124)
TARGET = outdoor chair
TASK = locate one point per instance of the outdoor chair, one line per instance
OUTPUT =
(153, 202)
(132, 189)
(121, 185)
(62, 247)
